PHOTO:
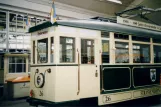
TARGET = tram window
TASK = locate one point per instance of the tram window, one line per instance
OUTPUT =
(67, 49)
(1, 62)
(33, 58)
(157, 40)
(141, 53)
(121, 36)
(105, 34)
(144, 39)
(157, 54)
(105, 51)
(52, 50)
(87, 51)
(42, 51)
(122, 52)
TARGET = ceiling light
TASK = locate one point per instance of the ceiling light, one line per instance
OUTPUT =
(115, 1)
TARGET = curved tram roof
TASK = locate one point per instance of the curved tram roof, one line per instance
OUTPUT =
(101, 26)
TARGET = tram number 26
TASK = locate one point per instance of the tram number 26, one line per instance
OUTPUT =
(106, 99)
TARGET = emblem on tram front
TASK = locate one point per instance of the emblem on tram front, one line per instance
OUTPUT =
(40, 80)
(153, 75)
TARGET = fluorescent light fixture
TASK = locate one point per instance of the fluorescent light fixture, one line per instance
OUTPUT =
(115, 1)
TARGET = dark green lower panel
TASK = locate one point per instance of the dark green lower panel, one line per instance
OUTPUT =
(116, 78)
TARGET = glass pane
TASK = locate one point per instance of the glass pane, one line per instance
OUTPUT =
(20, 60)
(105, 34)
(20, 23)
(12, 22)
(52, 50)
(157, 40)
(87, 51)
(105, 51)
(2, 41)
(144, 39)
(42, 51)
(12, 68)
(33, 21)
(157, 54)
(121, 36)
(122, 52)
(12, 60)
(67, 49)
(1, 62)
(2, 21)
(141, 53)
(19, 68)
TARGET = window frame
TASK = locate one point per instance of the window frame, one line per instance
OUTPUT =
(24, 67)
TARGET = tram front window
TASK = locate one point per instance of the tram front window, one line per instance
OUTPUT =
(67, 49)
(42, 51)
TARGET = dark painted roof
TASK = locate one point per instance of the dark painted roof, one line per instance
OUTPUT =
(102, 26)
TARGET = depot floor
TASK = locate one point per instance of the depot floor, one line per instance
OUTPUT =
(134, 103)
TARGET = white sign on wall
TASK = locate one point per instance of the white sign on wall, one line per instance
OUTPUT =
(135, 23)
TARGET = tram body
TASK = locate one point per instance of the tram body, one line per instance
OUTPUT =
(74, 60)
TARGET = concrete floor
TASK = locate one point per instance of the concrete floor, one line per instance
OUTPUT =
(135, 103)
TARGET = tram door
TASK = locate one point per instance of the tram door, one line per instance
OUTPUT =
(89, 68)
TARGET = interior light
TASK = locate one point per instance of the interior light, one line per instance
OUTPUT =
(115, 1)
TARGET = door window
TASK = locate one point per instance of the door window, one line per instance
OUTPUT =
(87, 51)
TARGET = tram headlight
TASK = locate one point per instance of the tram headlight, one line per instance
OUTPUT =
(31, 93)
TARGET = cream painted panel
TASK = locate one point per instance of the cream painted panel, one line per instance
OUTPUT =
(21, 89)
(89, 83)
(66, 83)
(48, 89)
(113, 98)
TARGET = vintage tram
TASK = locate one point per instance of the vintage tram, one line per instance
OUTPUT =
(73, 60)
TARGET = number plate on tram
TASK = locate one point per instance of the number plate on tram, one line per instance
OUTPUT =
(147, 92)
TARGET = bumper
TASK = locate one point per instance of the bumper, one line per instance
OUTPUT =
(36, 102)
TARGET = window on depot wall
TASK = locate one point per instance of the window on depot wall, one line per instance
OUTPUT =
(17, 64)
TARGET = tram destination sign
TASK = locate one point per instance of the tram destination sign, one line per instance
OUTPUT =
(135, 23)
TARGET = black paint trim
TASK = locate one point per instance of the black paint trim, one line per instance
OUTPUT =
(36, 102)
